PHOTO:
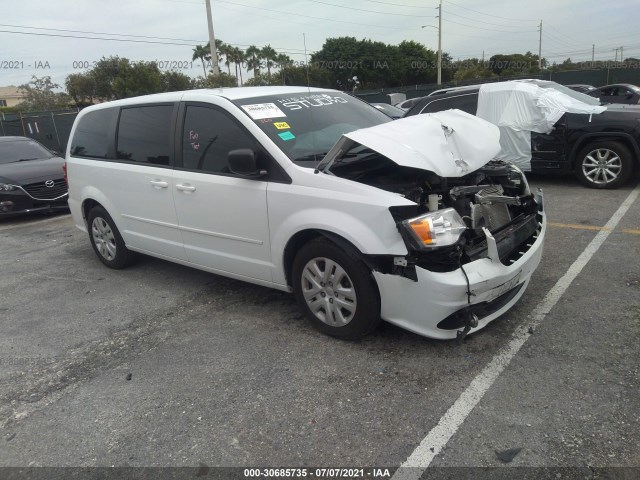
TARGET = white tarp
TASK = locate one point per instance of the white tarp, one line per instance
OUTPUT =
(451, 143)
(521, 107)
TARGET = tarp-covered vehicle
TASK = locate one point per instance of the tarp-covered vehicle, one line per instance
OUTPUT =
(549, 128)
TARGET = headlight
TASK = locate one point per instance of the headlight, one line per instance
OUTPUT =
(435, 229)
(5, 187)
(525, 184)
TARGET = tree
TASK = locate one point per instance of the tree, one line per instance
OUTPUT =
(105, 73)
(514, 64)
(264, 79)
(315, 76)
(115, 77)
(237, 56)
(215, 81)
(413, 63)
(269, 54)
(254, 56)
(203, 53)
(472, 69)
(225, 50)
(40, 95)
(140, 78)
(82, 88)
(172, 81)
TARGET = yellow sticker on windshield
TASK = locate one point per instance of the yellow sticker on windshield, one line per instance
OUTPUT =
(281, 125)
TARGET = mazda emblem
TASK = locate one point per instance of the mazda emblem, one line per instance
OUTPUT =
(49, 183)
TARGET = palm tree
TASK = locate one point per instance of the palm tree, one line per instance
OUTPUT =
(226, 51)
(202, 53)
(239, 58)
(269, 54)
(283, 61)
(219, 46)
(253, 56)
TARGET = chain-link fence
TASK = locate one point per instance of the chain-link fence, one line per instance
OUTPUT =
(52, 129)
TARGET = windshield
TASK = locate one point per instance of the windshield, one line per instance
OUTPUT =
(306, 125)
(22, 150)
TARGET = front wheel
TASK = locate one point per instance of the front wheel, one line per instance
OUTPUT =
(336, 291)
(604, 165)
(106, 240)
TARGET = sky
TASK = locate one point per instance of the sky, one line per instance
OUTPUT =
(43, 37)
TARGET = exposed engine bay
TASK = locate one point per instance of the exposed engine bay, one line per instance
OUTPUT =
(494, 198)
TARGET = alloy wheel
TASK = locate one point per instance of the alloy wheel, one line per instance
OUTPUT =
(601, 166)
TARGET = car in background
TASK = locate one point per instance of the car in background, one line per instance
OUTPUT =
(407, 104)
(617, 93)
(601, 150)
(393, 112)
(31, 178)
(581, 87)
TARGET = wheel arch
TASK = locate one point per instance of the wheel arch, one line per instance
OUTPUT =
(87, 205)
(623, 138)
(301, 238)
(92, 197)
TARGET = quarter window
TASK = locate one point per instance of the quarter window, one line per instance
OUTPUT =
(144, 134)
(208, 136)
(93, 137)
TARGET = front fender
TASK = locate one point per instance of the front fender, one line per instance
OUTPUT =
(373, 233)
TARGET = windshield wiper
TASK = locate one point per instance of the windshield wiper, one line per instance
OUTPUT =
(312, 156)
(27, 159)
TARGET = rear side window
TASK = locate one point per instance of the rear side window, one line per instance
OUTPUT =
(144, 134)
(92, 137)
(466, 103)
(437, 105)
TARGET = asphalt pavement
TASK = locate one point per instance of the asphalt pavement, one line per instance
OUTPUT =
(161, 365)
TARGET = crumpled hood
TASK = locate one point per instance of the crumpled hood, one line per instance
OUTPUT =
(451, 143)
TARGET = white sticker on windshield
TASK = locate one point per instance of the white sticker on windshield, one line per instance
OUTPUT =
(263, 110)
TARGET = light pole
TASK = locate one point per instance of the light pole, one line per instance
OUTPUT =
(212, 41)
(439, 28)
(440, 43)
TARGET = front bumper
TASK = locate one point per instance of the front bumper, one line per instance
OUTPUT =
(437, 296)
(18, 202)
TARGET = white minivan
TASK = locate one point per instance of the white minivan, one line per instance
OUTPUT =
(314, 192)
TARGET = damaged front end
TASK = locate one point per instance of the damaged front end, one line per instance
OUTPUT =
(489, 213)
(476, 230)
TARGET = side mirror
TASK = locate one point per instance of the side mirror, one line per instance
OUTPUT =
(629, 96)
(243, 162)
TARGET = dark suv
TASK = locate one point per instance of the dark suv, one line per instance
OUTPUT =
(601, 149)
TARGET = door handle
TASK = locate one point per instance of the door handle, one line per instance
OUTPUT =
(159, 183)
(185, 187)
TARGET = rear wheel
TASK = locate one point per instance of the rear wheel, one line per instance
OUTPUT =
(336, 291)
(604, 165)
(106, 240)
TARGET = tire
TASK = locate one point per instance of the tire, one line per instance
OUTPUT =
(106, 240)
(349, 311)
(604, 165)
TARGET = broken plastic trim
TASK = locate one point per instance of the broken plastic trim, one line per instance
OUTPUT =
(461, 318)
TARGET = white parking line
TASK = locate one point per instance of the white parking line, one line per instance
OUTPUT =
(36, 222)
(413, 467)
